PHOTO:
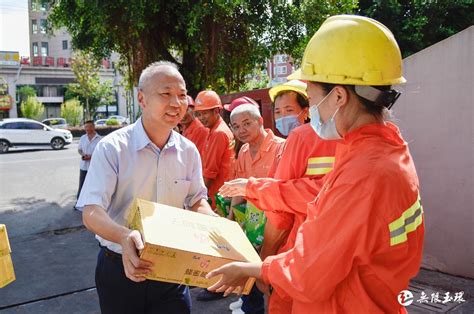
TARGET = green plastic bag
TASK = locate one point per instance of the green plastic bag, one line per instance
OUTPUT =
(239, 213)
(255, 220)
(222, 205)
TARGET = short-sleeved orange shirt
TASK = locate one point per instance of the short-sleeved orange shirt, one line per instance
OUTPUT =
(259, 167)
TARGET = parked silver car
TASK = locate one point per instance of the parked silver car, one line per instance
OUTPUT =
(56, 123)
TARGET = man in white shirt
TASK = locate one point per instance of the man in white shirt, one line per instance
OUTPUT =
(147, 160)
(86, 147)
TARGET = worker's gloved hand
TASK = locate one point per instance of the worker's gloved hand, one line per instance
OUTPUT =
(234, 188)
(135, 268)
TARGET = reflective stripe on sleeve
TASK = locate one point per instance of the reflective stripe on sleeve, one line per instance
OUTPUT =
(319, 165)
(408, 222)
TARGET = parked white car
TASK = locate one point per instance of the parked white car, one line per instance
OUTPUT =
(122, 120)
(56, 123)
(27, 132)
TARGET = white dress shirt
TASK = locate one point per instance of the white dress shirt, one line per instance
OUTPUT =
(87, 147)
(127, 165)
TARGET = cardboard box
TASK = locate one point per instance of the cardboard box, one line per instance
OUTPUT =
(184, 246)
(7, 275)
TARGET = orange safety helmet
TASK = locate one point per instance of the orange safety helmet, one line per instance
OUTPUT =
(207, 99)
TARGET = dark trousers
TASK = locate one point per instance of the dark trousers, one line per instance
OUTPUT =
(118, 294)
(254, 302)
(82, 177)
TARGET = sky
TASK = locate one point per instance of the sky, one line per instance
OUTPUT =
(14, 26)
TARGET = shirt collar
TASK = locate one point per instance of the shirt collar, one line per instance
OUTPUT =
(266, 144)
(141, 139)
(95, 136)
(216, 125)
(267, 141)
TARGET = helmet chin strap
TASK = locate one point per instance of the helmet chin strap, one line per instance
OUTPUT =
(381, 98)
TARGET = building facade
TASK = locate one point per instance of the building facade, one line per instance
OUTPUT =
(48, 71)
(278, 68)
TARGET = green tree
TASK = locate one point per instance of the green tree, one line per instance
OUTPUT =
(31, 108)
(72, 111)
(215, 43)
(26, 91)
(418, 24)
(90, 90)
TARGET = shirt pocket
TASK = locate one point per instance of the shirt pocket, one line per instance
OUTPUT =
(178, 190)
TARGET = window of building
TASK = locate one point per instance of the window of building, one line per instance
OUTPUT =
(64, 44)
(44, 5)
(35, 49)
(44, 49)
(280, 70)
(50, 91)
(34, 26)
(34, 5)
(43, 26)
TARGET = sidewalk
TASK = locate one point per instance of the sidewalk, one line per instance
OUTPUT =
(55, 274)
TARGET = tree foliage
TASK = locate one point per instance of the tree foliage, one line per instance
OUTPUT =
(72, 111)
(88, 88)
(215, 43)
(31, 108)
(418, 24)
(26, 91)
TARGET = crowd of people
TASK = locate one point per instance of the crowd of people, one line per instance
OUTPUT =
(336, 195)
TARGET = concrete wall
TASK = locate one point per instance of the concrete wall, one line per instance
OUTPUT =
(435, 114)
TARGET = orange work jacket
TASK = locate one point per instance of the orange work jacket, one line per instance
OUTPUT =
(260, 165)
(217, 157)
(305, 160)
(197, 133)
(363, 238)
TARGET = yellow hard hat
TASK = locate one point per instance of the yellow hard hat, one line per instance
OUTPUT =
(293, 85)
(352, 50)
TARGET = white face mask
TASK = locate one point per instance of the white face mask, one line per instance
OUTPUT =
(325, 130)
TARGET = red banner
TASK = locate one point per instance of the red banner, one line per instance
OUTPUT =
(49, 61)
(37, 60)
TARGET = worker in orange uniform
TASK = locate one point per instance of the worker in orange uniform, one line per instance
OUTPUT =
(290, 106)
(238, 144)
(193, 129)
(305, 160)
(363, 238)
(217, 155)
(255, 159)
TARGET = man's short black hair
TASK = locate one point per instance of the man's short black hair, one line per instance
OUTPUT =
(89, 121)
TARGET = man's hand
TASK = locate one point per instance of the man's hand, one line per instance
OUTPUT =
(135, 268)
(203, 207)
(234, 188)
